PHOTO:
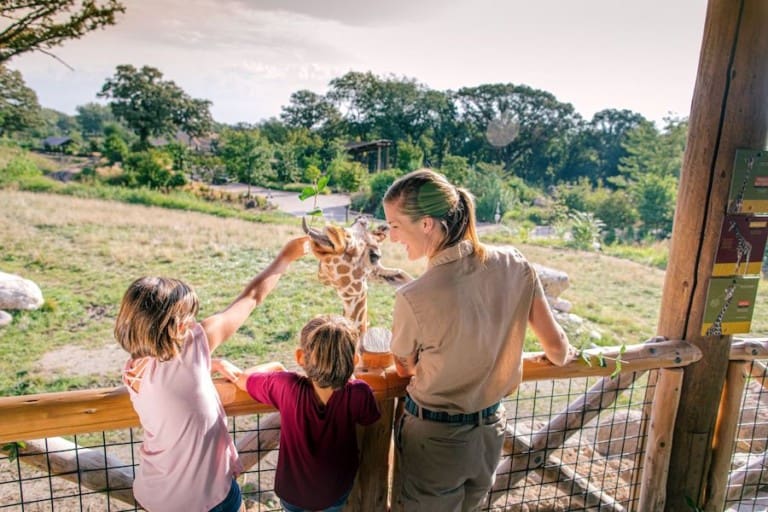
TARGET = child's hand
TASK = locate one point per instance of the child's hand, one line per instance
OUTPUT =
(296, 248)
(226, 369)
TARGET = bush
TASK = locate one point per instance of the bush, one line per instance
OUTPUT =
(492, 195)
(19, 167)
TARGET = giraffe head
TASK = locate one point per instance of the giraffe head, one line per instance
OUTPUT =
(348, 258)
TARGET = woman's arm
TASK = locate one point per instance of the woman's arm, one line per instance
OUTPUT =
(220, 326)
(552, 337)
(406, 366)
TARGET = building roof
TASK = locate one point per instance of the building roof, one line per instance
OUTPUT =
(56, 141)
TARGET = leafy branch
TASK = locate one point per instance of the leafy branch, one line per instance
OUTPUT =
(319, 186)
(601, 359)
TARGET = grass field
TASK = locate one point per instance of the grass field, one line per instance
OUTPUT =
(83, 253)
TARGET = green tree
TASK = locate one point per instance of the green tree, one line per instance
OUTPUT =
(39, 25)
(19, 109)
(152, 106)
(93, 118)
(654, 197)
(409, 156)
(307, 109)
(347, 175)
(246, 155)
(152, 169)
(115, 148)
(456, 169)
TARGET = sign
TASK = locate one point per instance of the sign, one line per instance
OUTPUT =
(729, 306)
(749, 182)
(742, 244)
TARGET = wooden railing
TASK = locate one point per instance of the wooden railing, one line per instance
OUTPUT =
(60, 414)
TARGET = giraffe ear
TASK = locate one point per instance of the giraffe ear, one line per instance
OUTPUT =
(392, 276)
(381, 231)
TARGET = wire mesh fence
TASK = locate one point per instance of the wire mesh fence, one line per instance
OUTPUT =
(572, 444)
(94, 472)
(747, 487)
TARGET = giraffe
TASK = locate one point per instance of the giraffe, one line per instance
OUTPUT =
(716, 329)
(349, 257)
(743, 247)
(738, 201)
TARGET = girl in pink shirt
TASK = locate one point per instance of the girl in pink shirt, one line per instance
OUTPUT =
(188, 460)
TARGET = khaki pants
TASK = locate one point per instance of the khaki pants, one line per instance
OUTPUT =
(446, 467)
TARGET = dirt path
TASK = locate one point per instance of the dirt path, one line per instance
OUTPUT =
(334, 206)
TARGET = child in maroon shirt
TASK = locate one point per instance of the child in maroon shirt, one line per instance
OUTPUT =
(318, 457)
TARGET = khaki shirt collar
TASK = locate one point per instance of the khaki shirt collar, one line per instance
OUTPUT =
(453, 253)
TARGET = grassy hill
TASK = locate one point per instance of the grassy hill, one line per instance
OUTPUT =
(83, 253)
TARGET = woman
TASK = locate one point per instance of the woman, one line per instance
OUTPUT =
(458, 332)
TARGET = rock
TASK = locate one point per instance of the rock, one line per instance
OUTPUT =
(561, 305)
(5, 318)
(19, 293)
(554, 281)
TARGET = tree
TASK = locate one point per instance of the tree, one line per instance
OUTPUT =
(93, 118)
(246, 155)
(152, 106)
(38, 25)
(19, 109)
(309, 110)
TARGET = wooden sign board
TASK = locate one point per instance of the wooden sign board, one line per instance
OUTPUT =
(730, 304)
(742, 244)
(749, 182)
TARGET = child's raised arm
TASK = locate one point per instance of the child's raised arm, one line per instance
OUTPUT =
(220, 326)
(242, 377)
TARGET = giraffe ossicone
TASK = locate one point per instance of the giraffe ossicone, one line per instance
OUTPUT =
(348, 257)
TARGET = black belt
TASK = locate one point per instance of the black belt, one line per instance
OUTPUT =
(443, 417)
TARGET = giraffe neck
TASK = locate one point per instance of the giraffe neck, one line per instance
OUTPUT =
(356, 311)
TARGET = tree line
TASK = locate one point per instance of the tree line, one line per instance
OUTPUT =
(523, 153)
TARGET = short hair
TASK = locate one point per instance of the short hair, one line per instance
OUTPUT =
(329, 342)
(153, 315)
(425, 193)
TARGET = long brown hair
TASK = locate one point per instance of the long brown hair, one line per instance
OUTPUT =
(425, 193)
(153, 317)
(329, 342)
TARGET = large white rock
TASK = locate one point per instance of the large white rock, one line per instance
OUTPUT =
(5, 318)
(19, 293)
(554, 281)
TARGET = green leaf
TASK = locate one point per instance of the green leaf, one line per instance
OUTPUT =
(322, 183)
(307, 192)
(586, 358)
(317, 212)
(13, 449)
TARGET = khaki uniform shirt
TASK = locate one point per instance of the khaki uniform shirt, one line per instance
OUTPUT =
(465, 320)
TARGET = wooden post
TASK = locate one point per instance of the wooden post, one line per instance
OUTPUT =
(659, 443)
(725, 435)
(729, 111)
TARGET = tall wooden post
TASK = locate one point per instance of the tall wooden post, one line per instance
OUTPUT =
(729, 111)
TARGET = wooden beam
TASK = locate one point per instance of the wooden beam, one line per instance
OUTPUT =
(725, 435)
(94, 410)
(659, 442)
(729, 111)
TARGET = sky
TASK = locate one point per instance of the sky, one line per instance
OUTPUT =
(248, 56)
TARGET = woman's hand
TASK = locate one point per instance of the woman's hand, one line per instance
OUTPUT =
(296, 248)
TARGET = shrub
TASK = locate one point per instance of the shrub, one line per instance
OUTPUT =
(19, 167)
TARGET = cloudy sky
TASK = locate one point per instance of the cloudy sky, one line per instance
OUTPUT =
(248, 56)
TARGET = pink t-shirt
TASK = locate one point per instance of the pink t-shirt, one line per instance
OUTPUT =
(188, 458)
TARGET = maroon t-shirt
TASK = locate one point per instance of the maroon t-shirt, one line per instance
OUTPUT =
(318, 456)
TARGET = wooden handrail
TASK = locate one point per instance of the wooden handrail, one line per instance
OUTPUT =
(95, 410)
(747, 349)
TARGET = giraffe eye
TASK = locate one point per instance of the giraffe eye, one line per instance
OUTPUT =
(374, 256)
